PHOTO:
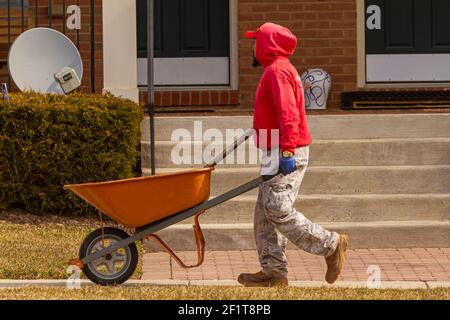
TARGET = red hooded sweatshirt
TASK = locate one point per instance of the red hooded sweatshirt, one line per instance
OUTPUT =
(279, 101)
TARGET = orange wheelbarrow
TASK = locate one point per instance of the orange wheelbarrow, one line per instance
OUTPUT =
(108, 256)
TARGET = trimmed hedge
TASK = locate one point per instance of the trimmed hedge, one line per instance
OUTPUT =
(47, 141)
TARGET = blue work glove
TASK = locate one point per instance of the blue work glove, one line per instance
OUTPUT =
(287, 165)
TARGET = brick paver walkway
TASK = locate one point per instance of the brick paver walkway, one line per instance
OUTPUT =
(416, 264)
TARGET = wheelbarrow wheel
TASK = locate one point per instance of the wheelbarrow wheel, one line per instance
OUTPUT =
(114, 268)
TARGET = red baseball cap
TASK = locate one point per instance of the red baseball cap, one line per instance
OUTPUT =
(251, 34)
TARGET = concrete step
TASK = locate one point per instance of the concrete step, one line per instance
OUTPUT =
(347, 180)
(323, 127)
(381, 234)
(342, 208)
(374, 152)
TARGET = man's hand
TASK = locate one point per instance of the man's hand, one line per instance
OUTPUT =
(287, 163)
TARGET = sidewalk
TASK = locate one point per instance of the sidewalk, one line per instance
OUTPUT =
(415, 268)
(415, 264)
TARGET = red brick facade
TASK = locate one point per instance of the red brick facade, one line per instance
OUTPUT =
(193, 98)
(327, 34)
(327, 39)
(326, 31)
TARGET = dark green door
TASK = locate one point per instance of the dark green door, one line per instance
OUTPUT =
(407, 40)
(186, 31)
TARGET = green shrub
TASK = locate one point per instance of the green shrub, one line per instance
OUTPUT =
(47, 141)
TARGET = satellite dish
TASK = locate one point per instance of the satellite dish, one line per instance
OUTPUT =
(45, 60)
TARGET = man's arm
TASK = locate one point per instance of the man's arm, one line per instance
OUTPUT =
(288, 114)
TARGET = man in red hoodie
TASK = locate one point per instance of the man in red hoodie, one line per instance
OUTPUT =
(280, 108)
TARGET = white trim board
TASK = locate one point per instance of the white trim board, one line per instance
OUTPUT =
(408, 67)
(186, 71)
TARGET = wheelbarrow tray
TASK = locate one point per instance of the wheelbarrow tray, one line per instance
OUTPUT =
(137, 202)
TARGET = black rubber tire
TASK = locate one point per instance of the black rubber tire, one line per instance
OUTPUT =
(134, 257)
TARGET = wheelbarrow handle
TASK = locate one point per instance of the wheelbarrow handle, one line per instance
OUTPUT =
(247, 135)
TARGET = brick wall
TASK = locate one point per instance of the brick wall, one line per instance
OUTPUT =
(192, 98)
(9, 31)
(326, 32)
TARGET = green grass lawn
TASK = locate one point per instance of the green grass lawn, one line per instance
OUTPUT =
(34, 247)
(221, 293)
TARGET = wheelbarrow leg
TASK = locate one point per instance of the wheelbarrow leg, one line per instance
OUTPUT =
(200, 242)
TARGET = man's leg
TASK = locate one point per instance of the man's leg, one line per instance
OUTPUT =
(278, 198)
(271, 247)
(275, 211)
(271, 244)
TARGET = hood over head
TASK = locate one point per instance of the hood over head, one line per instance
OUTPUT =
(272, 41)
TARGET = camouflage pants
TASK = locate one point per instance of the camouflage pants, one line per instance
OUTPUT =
(277, 221)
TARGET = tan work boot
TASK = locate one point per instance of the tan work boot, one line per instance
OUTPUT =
(262, 279)
(335, 262)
